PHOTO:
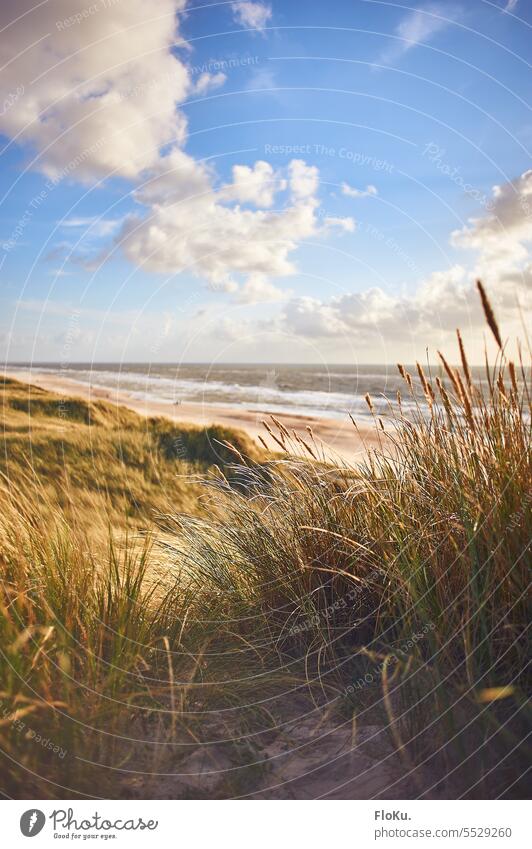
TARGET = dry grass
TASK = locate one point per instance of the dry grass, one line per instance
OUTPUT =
(410, 568)
(103, 464)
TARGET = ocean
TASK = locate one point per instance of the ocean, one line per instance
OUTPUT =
(315, 390)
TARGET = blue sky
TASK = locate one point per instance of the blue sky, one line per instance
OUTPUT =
(250, 181)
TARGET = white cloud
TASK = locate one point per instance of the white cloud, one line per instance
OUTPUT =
(503, 235)
(207, 82)
(102, 89)
(304, 179)
(207, 233)
(190, 224)
(446, 299)
(251, 14)
(418, 27)
(100, 83)
(230, 330)
(348, 225)
(351, 192)
(310, 317)
(257, 185)
(257, 289)
(175, 178)
(510, 5)
(373, 311)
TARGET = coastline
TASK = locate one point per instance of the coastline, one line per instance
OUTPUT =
(340, 439)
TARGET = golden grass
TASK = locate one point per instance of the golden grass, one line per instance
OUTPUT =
(410, 568)
(103, 464)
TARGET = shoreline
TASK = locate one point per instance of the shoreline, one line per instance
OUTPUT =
(340, 439)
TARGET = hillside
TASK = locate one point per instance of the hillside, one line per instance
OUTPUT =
(111, 463)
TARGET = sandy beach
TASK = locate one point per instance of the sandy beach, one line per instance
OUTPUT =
(339, 437)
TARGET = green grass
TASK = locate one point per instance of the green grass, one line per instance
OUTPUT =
(395, 588)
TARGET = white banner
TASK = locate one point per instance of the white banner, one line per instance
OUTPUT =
(235, 824)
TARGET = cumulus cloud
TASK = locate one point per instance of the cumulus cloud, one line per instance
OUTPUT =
(257, 185)
(305, 316)
(363, 313)
(101, 87)
(503, 235)
(351, 192)
(446, 299)
(304, 179)
(95, 79)
(219, 233)
(344, 314)
(251, 14)
(210, 233)
(176, 177)
(258, 289)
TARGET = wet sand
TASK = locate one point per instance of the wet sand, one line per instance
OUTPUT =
(338, 437)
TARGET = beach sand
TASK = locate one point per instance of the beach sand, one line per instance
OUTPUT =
(339, 437)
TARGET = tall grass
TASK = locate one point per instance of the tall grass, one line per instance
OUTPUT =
(394, 592)
(412, 568)
(88, 612)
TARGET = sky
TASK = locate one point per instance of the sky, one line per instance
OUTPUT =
(262, 181)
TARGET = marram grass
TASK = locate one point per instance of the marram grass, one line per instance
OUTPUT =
(396, 588)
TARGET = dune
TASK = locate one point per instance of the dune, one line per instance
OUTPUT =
(340, 439)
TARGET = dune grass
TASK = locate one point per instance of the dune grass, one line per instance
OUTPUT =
(87, 612)
(104, 463)
(396, 588)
